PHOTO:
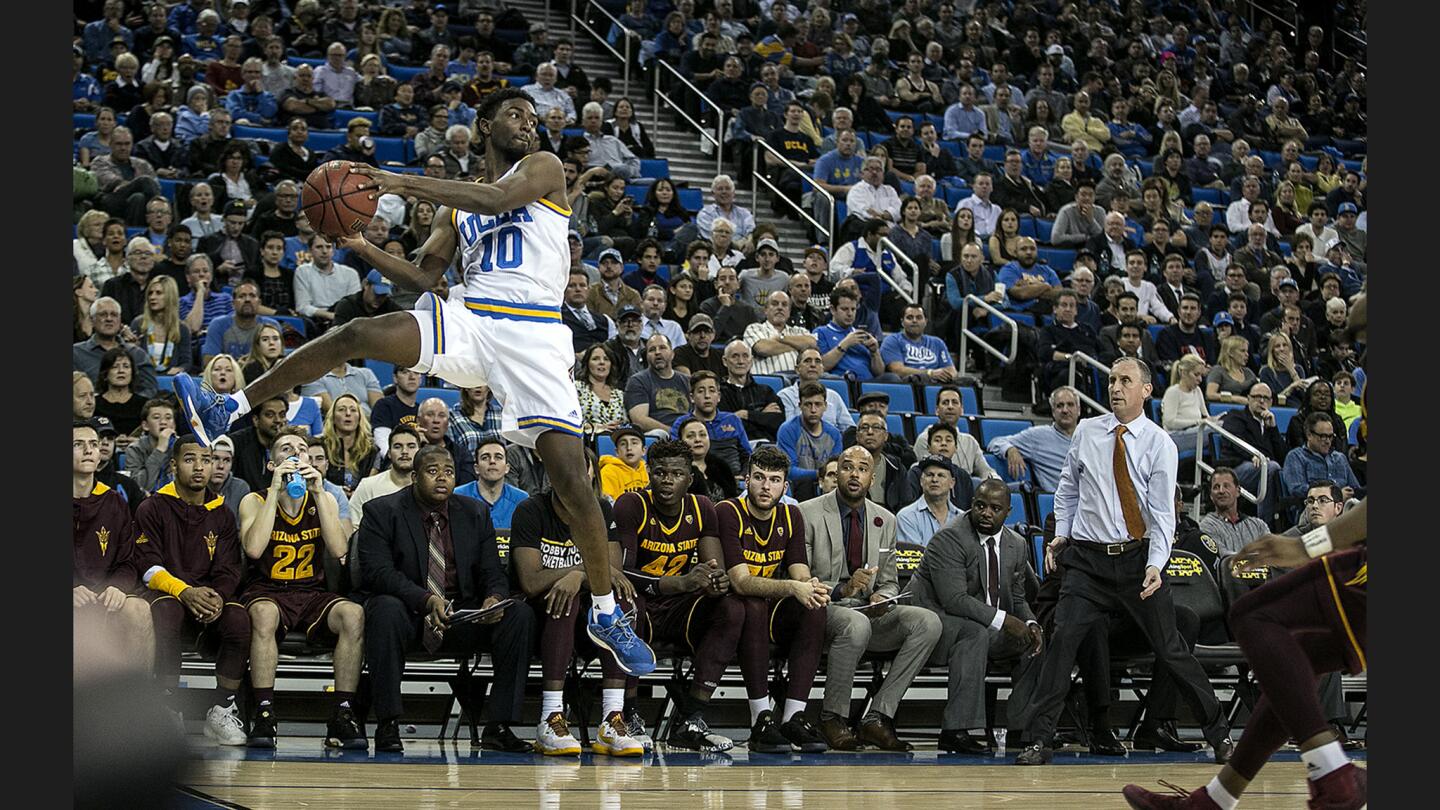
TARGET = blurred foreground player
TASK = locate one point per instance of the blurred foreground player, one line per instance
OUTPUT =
(1293, 629)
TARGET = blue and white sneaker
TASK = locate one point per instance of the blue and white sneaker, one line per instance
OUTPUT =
(614, 632)
(207, 412)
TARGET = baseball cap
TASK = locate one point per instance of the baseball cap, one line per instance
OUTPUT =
(936, 461)
(767, 242)
(626, 430)
(1347, 208)
(452, 85)
(236, 207)
(240, 2)
(872, 396)
(849, 18)
(700, 319)
(1222, 317)
(377, 282)
(626, 311)
(1084, 251)
(440, 9)
(576, 236)
(818, 249)
(610, 253)
(103, 425)
(537, 27)
(223, 443)
(165, 40)
(1055, 49)
(1289, 282)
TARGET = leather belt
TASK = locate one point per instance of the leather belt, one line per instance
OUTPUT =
(1111, 549)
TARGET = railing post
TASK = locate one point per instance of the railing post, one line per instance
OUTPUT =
(573, 15)
(625, 80)
(720, 138)
(655, 102)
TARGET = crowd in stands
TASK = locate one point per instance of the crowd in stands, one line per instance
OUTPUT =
(1173, 182)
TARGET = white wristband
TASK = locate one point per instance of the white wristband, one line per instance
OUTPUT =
(1317, 541)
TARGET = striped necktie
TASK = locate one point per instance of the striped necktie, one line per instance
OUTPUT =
(435, 576)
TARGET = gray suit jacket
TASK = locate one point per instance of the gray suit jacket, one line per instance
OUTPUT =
(949, 579)
(825, 546)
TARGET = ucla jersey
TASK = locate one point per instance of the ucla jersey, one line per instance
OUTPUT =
(515, 265)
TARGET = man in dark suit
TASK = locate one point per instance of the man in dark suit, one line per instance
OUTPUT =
(1109, 247)
(1172, 286)
(587, 327)
(973, 576)
(850, 541)
(232, 251)
(424, 554)
(1255, 425)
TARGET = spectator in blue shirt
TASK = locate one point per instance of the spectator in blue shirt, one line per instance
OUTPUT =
(963, 118)
(914, 355)
(1036, 163)
(836, 171)
(204, 44)
(183, 16)
(1026, 281)
(845, 350)
(99, 34)
(250, 104)
(84, 90)
(199, 273)
(728, 439)
(489, 484)
(233, 334)
(807, 438)
(1316, 461)
(1041, 449)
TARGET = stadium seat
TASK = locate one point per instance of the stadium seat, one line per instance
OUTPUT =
(775, 383)
(902, 396)
(1283, 416)
(450, 396)
(1061, 260)
(895, 423)
(344, 116)
(969, 399)
(1017, 510)
(655, 168)
(1043, 227)
(1027, 226)
(923, 422)
(993, 428)
(604, 445)
(1037, 543)
(999, 466)
(690, 199)
(1219, 409)
(384, 372)
(1214, 196)
(1044, 505)
(1155, 330)
(637, 193)
(82, 121)
(953, 196)
(841, 387)
(164, 382)
(994, 154)
(1352, 434)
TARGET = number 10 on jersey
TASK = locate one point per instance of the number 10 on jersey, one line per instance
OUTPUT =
(503, 248)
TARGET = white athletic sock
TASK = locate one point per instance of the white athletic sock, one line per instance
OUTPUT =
(1323, 760)
(1220, 795)
(792, 708)
(244, 405)
(758, 705)
(550, 703)
(612, 700)
(601, 603)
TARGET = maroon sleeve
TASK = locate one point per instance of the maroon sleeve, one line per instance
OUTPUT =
(224, 574)
(149, 537)
(122, 573)
(709, 526)
(795, 547)
(629, 511)
(727, 520)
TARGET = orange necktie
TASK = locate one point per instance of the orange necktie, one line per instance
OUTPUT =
(1129, 500)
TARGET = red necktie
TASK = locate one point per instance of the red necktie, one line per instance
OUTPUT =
(855, 543)
(994, 573)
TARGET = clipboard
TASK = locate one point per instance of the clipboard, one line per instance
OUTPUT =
(892, 600)
(470, 615)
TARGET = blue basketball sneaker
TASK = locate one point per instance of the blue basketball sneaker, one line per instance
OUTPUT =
(613, 632)
(207, 412)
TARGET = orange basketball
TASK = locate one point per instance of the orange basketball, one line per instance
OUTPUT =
(334, 202)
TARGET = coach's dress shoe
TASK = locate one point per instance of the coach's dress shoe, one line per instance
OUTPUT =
(387, 736)
(1035, 754)
(1223, 750)
(960, 742)
(837, 733)
(1104, 743)
(880, 732)
(499, 737)
(1161, 734)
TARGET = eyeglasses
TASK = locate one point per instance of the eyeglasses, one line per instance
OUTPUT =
(1326, 436)
(1321, 500)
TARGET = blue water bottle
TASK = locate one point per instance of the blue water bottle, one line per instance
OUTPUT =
(295, 483)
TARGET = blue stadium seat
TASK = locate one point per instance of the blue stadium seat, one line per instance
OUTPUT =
(923, 422)
(344, 116)
(1309, 162)
(953, 196)
(405, 74)
(163, 382)
(902, 396)
(655, 168)
(297, 61)
(1219, 409)
(992, 428)
(1352, 434)
(1061, 260)
(1272, 159)
(998, 465)
(995, 154)
(952, 147)
(775, 383)
(1017, 510)
(841, 387)
(895, 423)
(969, 400)
(604, 445)
(1037, 543)
(1155, 330)
(1044, 505)
(1214, 196)
(1146, 167)
(690, 198)
(1027, 226)
(450, 396)
(907, 189)
(384, 372)
(1043, 227)
(82, 121)
(169, 186)
(637, 193)
(841, 211)
(1283, 416)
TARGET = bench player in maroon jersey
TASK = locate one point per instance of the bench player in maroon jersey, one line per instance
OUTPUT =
(764, 546)
(286, 539)
(665, 533)
(1293, 629)
(551, 573)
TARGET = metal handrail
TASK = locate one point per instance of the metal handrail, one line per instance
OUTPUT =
(1090, 361)
(966, 335)
(914, 271)
(1201, 468)
(628, 36)
(758, 177)
(718, 138)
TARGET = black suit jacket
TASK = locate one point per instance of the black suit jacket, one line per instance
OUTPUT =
(1172, 302)
(581, 337)
(395, 553)
(1099, 245)
(949, 579)
(249, 250)
(1242, 424)
(250, 458)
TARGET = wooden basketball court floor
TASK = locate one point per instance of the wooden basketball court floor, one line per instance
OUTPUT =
(431, 774)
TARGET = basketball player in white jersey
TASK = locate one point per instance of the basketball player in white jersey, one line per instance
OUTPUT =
(511, 235)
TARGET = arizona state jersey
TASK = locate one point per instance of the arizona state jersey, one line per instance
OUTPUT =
(768, 547)
(295, 554)
(656, 546)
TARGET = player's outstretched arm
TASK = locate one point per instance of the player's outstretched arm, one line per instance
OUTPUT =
(1346, 531)
(434, 259)
(539, 175)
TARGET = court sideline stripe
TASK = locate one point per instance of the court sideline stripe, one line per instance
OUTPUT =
(693, 789)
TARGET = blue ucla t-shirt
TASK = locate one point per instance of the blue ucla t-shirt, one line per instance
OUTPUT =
(928, 352)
